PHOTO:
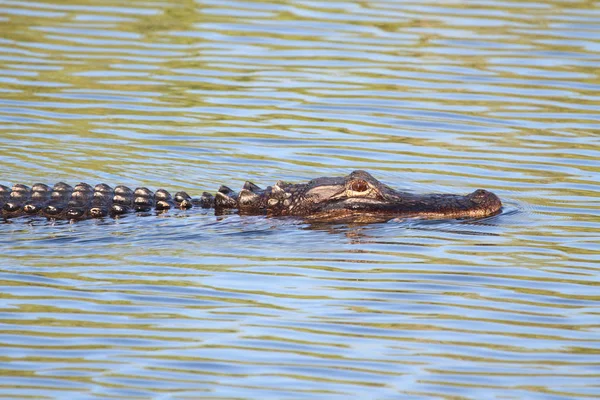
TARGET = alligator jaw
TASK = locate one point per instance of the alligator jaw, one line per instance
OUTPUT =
(479, 204)
(359, 197)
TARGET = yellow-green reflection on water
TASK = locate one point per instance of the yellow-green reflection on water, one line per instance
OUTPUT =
(427, 96)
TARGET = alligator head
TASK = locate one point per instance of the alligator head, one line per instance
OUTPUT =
(359, 197)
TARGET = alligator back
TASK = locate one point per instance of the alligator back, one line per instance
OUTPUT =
(63, 201)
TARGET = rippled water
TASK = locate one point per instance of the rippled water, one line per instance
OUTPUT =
(428, 96)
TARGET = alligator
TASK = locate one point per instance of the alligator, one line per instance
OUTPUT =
(357, 197)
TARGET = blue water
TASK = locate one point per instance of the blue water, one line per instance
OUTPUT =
(427, 96)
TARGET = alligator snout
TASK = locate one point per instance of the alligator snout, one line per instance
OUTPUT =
(487, 203)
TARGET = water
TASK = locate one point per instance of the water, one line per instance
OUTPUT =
(427, 96)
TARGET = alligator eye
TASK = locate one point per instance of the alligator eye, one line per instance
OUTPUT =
(359, 186)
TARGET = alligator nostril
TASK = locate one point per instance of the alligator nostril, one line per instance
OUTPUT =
(479, 195)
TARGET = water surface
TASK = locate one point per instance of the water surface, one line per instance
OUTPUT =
(187, 95)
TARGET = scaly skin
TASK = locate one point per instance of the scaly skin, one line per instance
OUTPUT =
(357, 197)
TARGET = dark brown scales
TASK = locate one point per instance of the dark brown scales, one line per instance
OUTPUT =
(163, 200)
(143, 199)
(16, 200)
(40, 197)
(183, 200)
(80, 202)
(4, 195)
(102, 201)
(59, 198)
(122, 201)
(357, 197)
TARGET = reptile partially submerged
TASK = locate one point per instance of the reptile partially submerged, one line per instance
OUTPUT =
(356, 197)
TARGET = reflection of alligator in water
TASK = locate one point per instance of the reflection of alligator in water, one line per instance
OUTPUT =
(357, 197)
